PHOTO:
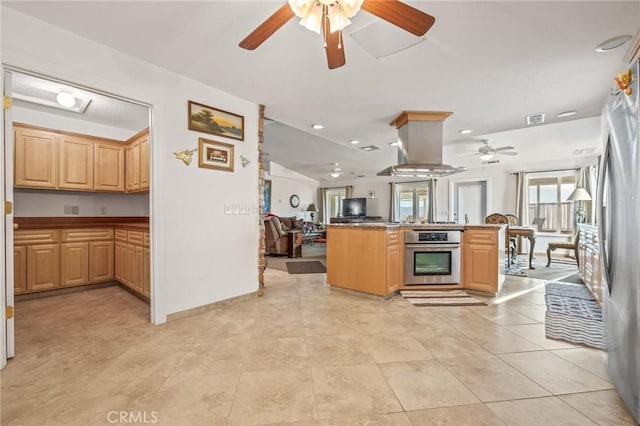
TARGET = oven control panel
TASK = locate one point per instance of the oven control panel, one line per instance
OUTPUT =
(432, 237)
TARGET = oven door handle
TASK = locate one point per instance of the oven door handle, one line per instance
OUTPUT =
(433, 246)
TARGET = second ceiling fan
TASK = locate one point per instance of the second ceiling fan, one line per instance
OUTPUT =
(330, 17)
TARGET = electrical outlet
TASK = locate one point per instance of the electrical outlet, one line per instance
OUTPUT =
(67, 209)
(75, 209)
(103, 210)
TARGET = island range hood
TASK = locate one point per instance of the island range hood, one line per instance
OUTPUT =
(420, 148)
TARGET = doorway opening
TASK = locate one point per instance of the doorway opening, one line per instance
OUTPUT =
(77, 169)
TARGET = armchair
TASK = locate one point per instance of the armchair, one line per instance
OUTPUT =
(275, 238)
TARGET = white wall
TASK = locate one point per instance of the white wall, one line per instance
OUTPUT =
(199, 254)
(26, 115)
(40, 203)
(284, 184)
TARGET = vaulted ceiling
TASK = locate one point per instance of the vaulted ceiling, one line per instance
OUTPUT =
(490, 63)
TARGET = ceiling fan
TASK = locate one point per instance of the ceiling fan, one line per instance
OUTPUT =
(487, 151)
(335, 171)
(330, 17)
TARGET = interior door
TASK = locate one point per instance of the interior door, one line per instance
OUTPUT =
(7, 322)
(470, 200)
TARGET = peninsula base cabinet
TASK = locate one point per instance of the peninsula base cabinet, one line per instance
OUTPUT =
(365, 260)
(482, 258)
(132, 259)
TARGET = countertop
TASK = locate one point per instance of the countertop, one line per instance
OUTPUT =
(407, 226)
(65, 222)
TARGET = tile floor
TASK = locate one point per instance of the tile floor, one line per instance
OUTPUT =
(303, 354)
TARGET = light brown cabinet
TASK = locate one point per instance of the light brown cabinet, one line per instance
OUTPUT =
(19, 269)
(39, 266)
(365, 260)
(481, 259)
(74, 268)
(146, 272)
(36, 158)
(76, 163)
(101, 261)
(52, 159)
(109, 167)
(132, 259)
(121, 262)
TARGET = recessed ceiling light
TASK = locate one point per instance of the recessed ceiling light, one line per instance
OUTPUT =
(66, 99)
(612, 43)
(465, 131)
(566, 114)
(317, 126)
(396, 143)
(354, 141)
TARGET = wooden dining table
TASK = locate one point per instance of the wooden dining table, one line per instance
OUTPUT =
(528, 233)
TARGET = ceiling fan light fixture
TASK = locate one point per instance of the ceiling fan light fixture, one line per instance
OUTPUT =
(338, 12)
(465, 131)
(354, 141)
(66, 99)
(486, 156)
(317, 126)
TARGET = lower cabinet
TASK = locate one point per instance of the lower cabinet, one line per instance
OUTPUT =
(121, 262)
(482, 256)
(146, 272)
(74, 268)
(43, 267)
(101, 261)
(132, 257)
(19, 269)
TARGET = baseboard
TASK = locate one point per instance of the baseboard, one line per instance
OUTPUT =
(61, 291)
(208, 307)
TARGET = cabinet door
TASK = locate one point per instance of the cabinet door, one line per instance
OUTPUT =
(74, 268)
(19, 269)
(394, 268)
(146, 272)
(138, 284)
(43, 267)
(481, 271)
(36, 158)
(132, 267)
(144, 162)
(76, 163)
(109, 167)
(121, 262)
(101, 261)
(132, 162)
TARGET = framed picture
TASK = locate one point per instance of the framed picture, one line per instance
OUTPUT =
(266, 194)
(215, 121)
(215, 155)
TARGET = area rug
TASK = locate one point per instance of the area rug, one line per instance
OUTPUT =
(573, 314)
(519, 267)
(440, 298)
(306, 267)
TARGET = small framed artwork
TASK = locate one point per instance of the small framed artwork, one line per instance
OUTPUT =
(215, 155)
(215, 121)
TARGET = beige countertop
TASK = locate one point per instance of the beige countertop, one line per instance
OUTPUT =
(407, 227)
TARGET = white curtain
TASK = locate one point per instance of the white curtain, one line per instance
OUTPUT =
(522, 202)
(392, 202)
(322, 202)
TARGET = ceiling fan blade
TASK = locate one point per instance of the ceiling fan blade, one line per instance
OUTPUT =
(400, 14)
(503, 148)
(506, 152)
(268, 27)
(335, 45)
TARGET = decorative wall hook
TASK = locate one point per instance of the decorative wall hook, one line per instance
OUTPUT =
(185, 155)
(245, 161)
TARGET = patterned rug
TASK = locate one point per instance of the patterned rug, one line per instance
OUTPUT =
(440, 298)
(573, 314)
(519, 267)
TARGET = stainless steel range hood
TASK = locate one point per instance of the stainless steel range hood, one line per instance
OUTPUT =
(420, 149)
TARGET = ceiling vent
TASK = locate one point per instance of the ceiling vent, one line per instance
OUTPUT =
(370, 148)
(534, 119)
(584, 151)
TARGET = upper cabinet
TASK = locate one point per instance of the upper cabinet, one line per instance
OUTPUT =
(51, 159)
(36, 158)
(76, 163)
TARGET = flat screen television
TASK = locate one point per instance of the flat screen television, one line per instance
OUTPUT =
(354, 207)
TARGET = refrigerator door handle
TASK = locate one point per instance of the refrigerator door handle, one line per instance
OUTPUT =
(600, 217)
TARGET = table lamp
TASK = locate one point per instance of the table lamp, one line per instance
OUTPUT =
(580, 195)
(312, 208)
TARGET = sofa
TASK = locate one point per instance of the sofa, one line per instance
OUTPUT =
(275, 236)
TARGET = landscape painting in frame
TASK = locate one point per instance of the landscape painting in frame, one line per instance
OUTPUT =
(215, 155)
(215, 121)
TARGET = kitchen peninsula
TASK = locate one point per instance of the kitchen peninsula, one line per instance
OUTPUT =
(376, 258)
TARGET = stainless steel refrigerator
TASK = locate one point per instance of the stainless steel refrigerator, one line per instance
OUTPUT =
(618, 218)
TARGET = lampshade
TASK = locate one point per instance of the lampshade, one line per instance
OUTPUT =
(486, 156)
(579, 194)
(312, 208)
(338, 11)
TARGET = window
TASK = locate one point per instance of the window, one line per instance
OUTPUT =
(547, 200)
(333, 202)
(412, 201)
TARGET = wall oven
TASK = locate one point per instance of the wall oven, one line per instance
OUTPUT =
(432, 257)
